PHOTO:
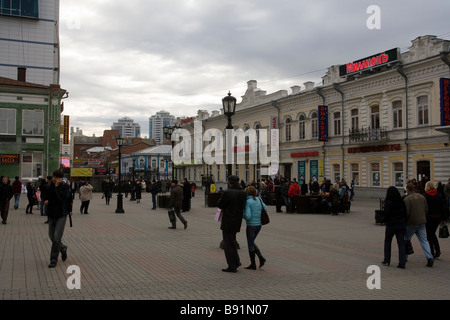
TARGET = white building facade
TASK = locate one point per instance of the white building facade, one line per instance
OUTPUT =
(380, 125)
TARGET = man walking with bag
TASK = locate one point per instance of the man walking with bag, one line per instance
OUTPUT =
(175, 203)
(232, 202)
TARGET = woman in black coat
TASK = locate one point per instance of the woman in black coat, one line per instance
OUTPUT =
(395, 213)
(31, 196)
(435, 215)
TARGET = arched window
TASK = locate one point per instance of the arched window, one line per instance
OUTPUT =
(288, 128)
(337, 123)
(314, 125)
(422, 110)
(397, 114)
(355, 119)
(375, 117)
(301, 127)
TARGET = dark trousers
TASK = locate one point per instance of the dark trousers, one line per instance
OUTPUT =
(399, 230)
(154, 201)
(230, 249)
(85, 206)
(30, 205)
(55, 233)
(177, 212)
(4, 210)
(432, 226)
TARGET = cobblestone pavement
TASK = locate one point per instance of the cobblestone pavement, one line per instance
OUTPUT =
(134, 256)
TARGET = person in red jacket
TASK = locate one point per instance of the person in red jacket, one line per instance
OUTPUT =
(294, 190)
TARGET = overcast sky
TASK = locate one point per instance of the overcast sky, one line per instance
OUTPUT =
(134, 58)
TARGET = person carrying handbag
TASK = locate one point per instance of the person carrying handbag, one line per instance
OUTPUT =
(252, 215)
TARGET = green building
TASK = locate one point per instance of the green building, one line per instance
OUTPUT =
(30, 127)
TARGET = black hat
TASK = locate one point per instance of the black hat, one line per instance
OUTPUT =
(233, 178)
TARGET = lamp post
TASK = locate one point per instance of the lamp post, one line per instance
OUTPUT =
(133, 185)
(168, 130)
(229, 108)
(119, 209)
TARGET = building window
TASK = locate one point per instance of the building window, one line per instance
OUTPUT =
(32, 164)
(337, 172)
(422, 109)
(20, 8)
(301, 127)
(398, 174)
(288, 129)
(355, 173)
(218, 173)
(355, 119)
(375, 117)
(337, 123)
(8, 121)
(33, 122)
(314, 125)
(376, 178)
(397, 115)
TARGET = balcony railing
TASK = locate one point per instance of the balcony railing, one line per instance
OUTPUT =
(368, 134)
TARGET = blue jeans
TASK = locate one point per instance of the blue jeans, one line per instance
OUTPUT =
(16, 200)
(421, 233)
(252, 233)
(55, 232)
(43, 208)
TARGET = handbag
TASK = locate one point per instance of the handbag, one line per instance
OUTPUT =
(218, 216)
(264, 216)
(443, 231)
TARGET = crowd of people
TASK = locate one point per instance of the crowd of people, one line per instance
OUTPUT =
(420, 211)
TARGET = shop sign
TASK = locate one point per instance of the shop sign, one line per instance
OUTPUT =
(380, 148)
(9, 158)
(304, 154)
(445, 101)
(368, 63)
(323, 123)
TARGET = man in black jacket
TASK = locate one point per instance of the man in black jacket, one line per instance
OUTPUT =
(232, 202)
(56, 198)
(6, 193)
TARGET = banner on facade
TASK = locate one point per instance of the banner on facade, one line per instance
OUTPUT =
(323, 123)
(66, 130)
(445, 101)
(81, 172)
(301, 171)
(273, 122)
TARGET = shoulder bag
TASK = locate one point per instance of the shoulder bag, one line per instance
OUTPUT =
(264, 216)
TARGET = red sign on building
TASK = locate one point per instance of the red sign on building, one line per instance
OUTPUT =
(323, 123)
(445, 101)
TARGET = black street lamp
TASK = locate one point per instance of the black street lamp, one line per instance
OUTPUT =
(119, 209)
(133, 184)
(168, 130)
(229, 108)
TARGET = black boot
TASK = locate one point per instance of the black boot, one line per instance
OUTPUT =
(262, 260)
(252, 266)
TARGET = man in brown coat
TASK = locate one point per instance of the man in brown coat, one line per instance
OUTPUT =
(175, 202)
(416, 211)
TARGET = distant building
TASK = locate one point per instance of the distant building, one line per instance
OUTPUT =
(156, 124)
(30, 41)
(127, 128)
